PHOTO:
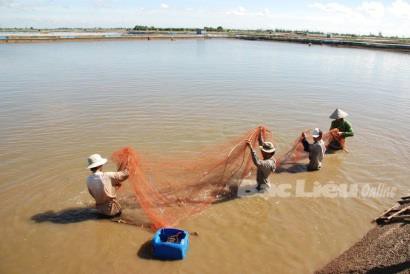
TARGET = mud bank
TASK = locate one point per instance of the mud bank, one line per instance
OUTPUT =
(40, 39)
(331, 42)
(384, 249)
(381, 43)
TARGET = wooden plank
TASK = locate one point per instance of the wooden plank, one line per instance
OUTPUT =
(393, 208)
(399, 212)
(400, 218)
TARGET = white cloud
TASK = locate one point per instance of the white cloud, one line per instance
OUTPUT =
(374, 9)
(367, 8)
(103, 3)
(366, 17)
(400, 8)
(6, 3)
(332, 8)
(241, 11)
(238, 11)
(164, 6)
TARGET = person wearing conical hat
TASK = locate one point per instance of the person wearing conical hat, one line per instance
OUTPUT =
(266, 166)
(344, 127)
(103, 186)
(316, 150)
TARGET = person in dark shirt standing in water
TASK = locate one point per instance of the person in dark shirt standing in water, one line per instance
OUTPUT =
(266, 166)
(316, 150)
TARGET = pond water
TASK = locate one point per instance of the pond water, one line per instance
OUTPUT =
(61, 102)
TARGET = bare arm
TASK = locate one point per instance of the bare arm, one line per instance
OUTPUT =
(255, 158)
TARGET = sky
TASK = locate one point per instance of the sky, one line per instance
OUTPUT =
(390, 17)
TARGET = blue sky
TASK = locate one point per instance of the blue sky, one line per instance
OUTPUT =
(391, 17)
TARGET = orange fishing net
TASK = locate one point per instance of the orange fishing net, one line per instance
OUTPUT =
(169, 190)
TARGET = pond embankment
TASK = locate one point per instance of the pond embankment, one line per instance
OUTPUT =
(384, 43)
(384, 249)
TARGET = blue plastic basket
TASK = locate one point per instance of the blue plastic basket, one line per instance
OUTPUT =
(170, 244)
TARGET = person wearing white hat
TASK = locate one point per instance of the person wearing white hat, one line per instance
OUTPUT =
(103, 186)
(266, 166)
(316, 150)
(344, 127)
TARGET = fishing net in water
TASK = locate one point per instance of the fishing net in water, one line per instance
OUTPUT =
(169, 190)
(296, 153)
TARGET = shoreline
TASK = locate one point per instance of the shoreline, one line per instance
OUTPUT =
(380, 44)
(384, 249)
(403, 48)
(85, 38)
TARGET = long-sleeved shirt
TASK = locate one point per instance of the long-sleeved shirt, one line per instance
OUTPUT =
(316, 153)
(102, 186)
(343, 126)
(264, 168)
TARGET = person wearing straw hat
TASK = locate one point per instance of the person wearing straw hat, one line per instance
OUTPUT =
(344, 127)
(266, 166)
(103, 186)
(316, 150)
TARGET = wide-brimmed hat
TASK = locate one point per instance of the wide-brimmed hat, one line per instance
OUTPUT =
(316, 132)
(267, 147)
(338, 113)
(96, 160)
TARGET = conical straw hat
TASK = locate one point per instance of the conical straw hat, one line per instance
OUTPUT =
(338, 113)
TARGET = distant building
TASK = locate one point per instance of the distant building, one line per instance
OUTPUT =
(200, 31)
(329, 35)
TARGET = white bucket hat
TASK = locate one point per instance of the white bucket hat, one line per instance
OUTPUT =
(267, 147)
(338, 113)
(96, 160)
(316, 132)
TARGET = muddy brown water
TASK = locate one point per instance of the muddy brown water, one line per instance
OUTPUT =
(61, 102)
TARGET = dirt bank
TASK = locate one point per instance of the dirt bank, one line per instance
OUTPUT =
(384, 249)
(42, 39)
(335, 42)
(381, 43)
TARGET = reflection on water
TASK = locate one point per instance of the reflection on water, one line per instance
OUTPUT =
(64, 101)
